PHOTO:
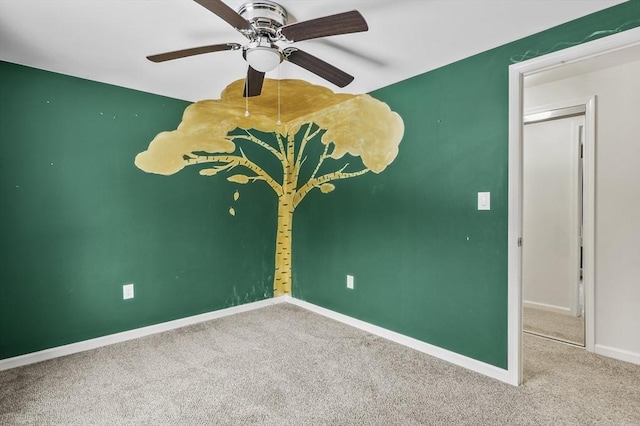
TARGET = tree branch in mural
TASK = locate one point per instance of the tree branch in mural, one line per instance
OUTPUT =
(350, 135)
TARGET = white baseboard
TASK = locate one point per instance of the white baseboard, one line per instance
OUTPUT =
(446, 355)
(546, 307)
(619, 354)
(452, 357)
(85, 345)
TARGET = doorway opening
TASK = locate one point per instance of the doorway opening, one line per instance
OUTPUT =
(557, 61)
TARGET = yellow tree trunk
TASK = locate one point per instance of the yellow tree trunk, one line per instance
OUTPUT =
(282, 277)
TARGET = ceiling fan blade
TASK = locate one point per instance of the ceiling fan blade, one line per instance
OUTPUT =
(317, 66)
(229, 15)
(342, 23)
(193, 51)
(253, 83)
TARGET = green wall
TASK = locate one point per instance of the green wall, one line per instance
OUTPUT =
(78, 219)
(426, 262)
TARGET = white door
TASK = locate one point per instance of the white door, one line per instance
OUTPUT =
(552, 216)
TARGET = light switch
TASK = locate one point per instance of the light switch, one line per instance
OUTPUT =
(484, 201)
(350, 281)
(127, 291)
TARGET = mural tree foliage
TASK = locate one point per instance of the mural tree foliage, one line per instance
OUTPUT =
(353, 134)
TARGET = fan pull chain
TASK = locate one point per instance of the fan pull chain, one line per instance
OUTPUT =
(278, 122)
(246, 93)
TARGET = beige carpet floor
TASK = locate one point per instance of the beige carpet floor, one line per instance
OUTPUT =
(554, 325)
(283, 365)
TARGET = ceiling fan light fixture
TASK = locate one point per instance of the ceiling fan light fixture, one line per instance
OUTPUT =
(263, 58)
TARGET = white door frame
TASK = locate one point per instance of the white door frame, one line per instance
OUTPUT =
(517, 72)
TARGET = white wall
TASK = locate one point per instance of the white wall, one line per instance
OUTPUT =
(617, 251)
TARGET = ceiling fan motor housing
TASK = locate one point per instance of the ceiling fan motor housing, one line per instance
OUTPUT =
(265, 16)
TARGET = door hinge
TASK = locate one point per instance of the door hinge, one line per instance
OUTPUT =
(520, 242)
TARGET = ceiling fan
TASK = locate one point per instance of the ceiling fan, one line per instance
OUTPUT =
(264, 23)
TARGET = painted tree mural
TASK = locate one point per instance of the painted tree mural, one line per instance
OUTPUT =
(352, 134)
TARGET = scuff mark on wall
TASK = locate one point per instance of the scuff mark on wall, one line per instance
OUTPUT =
(529, 54)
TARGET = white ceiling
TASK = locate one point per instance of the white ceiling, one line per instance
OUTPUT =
(108, 40)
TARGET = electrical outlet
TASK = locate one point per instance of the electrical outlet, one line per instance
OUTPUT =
(127, 291)
(350, 281)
